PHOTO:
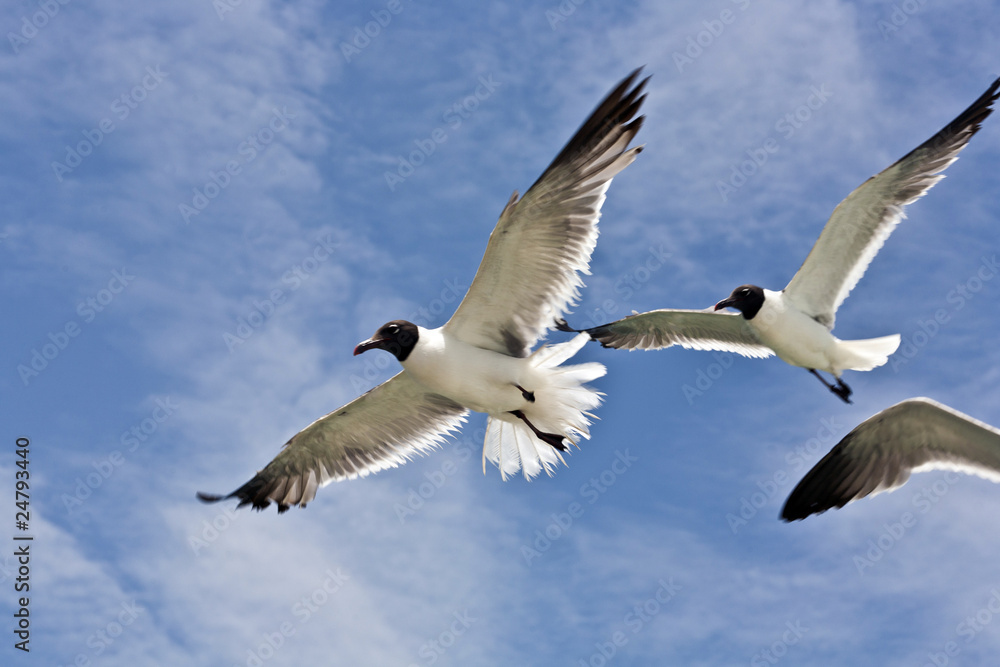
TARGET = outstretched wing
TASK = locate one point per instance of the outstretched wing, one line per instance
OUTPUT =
(529, 274)
(861, 223)
(692, 329)
(380, 429)
(915, 435)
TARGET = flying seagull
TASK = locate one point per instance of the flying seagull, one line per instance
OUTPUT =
(795, 323)
(915, 435)
(481, 359)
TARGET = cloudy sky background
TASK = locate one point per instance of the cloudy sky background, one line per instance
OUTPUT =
(287, 119)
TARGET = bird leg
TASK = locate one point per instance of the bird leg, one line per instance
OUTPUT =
(529, 396)
(843, 391)
(840, 389)
(548, 438)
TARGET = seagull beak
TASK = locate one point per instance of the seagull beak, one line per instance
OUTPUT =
(369, 344)
(725, 303)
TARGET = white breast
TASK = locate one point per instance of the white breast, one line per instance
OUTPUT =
(794, 336)
(481, 380)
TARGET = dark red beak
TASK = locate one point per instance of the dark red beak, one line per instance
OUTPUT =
(725, 303)
(369, 344)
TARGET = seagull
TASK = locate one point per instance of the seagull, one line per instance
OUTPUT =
(796, 323)
(915, 435)
(481, 359)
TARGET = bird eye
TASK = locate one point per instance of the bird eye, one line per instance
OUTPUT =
(393, 328)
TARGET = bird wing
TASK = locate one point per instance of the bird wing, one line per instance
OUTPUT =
(692, 329)
(863, 221)
(912, 436)
(380, 429)
(528, 276)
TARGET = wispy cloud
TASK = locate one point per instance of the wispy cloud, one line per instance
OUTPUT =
(651, 568)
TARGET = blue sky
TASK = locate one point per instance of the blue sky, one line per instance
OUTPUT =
(205, 209)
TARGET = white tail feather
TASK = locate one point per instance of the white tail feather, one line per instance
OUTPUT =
(562, 404)
(864, 355)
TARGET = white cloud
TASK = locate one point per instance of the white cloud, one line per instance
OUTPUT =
(396, 252)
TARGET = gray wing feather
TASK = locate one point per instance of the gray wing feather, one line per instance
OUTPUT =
(912, 436)
(692, 329)
(529, 273)
(380, 429)
(864, 220)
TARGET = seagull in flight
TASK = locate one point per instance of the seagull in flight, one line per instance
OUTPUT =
(915, 435)
(795, 324)
(482, 358)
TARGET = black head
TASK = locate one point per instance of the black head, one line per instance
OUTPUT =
(397, 337)
(746, 298)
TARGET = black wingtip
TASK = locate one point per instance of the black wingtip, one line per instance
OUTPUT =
(619, 108)
(788, 515)
(979, 110)
(796, 509)
(969, 121)
(830, 484)
(248, 494)
(562, 325)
